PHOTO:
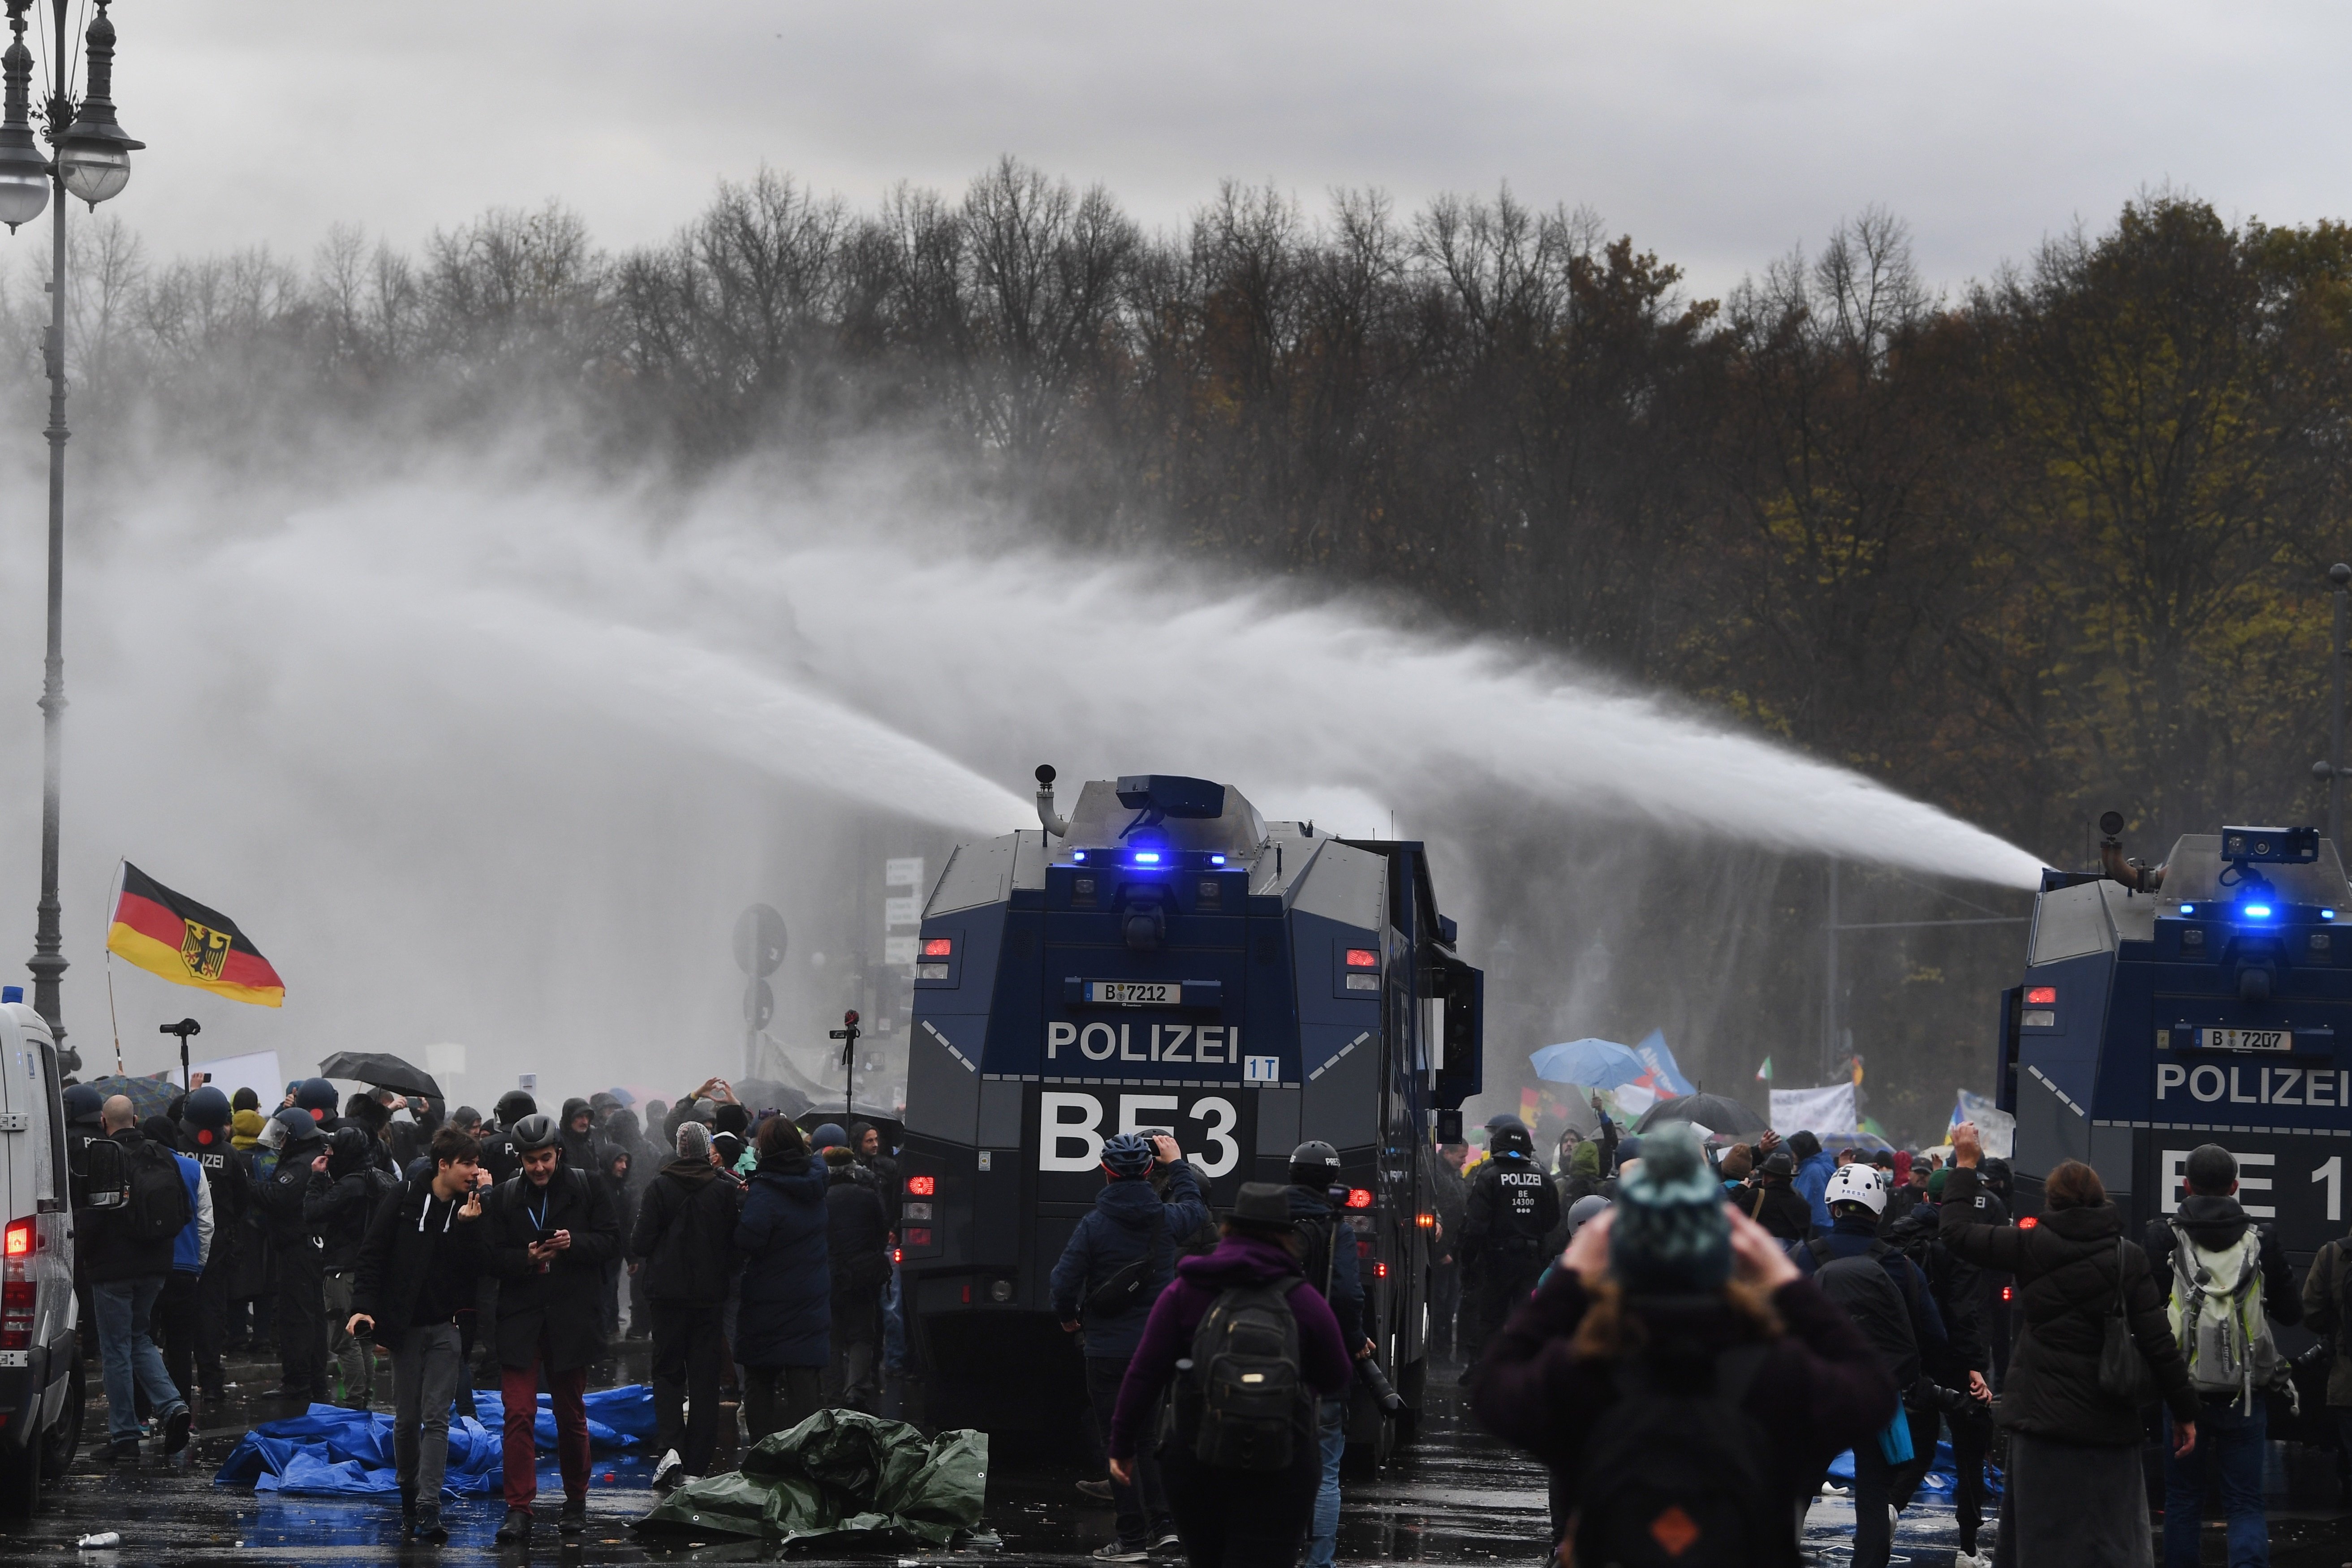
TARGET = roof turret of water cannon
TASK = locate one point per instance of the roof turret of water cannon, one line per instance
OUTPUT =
(1056, 825)
(2136, 875)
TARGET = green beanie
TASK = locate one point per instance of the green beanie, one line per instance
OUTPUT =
(1936, 1182)
(1669, 1235)
(1584, 1160)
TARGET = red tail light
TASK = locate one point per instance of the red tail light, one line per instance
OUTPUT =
(924, 1186)
(1379, 1270)
(898, 1255)
(2007, 1293)
(20, 1238)
(2028, 1223)
(1363, 958)
(16, 1315)
(1360, 1197)
(939, 947)
(2042, 996)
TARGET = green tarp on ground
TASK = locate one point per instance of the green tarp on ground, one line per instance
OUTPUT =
(840, 1475)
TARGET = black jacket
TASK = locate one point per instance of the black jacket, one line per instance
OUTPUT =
(1331, 1257)
(337, 1209)
(552, 1313)
(1511, 1207)
(685, 1236)
(856, 1233)
(2217, 1223)
(105, 1251)
(2065, 1268)
(1957, 1287)
(419, 1260)
(284, 1198)
(579, 1148)
(1778, 1207)
(1130, 1221)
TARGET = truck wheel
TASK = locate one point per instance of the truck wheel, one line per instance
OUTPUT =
(59, 1443)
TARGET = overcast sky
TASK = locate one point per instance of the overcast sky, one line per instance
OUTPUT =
(1718, 132)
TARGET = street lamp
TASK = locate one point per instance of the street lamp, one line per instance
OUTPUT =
(92, 162)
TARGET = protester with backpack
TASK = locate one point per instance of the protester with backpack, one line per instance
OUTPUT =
(1117, 1261)
(2071, 1406)
(126, 1255)
(1889, 1298)
(179, 1310)
(1681, 1379)
(1250, 1346)
(1327, 1252)
(2227, 1277)
(551, 1230)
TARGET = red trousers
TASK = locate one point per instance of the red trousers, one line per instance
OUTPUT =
(518, 1387)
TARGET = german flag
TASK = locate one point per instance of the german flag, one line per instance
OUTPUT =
(188, 944)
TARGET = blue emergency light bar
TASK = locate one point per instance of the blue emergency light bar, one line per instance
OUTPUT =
(2255, 911)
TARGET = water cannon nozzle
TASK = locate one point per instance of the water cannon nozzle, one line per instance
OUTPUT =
(1056, 825)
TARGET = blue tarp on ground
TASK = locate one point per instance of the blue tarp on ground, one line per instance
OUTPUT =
(1943, 1477)
(329, 1451)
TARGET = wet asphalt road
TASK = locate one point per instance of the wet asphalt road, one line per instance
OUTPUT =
(1454, 1497)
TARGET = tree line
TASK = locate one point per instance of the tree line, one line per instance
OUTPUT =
(2049, 543)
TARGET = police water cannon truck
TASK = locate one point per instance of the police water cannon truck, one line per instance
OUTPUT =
(1163, 959)
(2205, 1000)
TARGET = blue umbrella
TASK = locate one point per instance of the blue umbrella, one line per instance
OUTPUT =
(1593, 1064)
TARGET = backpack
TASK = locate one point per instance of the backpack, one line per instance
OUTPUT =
(1249, 1392)
(159, 1209)
(1681, 1481)
(1866, 1291)
(2217, 1316)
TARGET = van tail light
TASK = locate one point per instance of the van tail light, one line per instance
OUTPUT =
(16, 1315)
(1363, 958)
(939, 947)
(2042, 996)
(20, 1238)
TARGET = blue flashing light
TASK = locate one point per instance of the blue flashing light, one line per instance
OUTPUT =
(2258, 911)
(2328, 914)
(1147, 857)
(12, 994)
(2189, 909)
(1078, 854)
(1216, 859)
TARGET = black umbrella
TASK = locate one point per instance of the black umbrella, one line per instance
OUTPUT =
(380, 1069)
(1712, 1111)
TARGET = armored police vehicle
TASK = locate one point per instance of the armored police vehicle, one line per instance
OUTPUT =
(2205, 1000)
(1163, 959)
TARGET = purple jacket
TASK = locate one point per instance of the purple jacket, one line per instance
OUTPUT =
(1176, 1316)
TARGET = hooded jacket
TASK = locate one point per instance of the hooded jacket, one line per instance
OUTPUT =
(579, 1148)
(856, 1230)
(1813, 1180)
(2213, 1224)
(1129, 1220)
(245, 1129)
(1176, 1317)
(419, 1262)
(1819, 1389)
(284, 1199)
(785, 1318)
(2066, 1286)
(684, 1238)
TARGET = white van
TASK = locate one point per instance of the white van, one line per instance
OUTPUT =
(43, 1379)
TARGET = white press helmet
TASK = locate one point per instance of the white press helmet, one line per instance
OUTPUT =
(1855, 1184)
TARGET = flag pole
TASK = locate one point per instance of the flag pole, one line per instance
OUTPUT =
(114, 898)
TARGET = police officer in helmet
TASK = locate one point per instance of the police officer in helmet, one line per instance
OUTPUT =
(1512, 1207)
(1318, 1197)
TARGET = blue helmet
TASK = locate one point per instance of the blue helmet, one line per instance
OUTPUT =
(1128, 1154)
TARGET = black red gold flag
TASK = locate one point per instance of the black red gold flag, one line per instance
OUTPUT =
(188, 944)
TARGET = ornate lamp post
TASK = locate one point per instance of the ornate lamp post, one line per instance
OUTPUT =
(93, 162)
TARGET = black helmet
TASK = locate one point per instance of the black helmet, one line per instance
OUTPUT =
(513, 1106)
(534, 1133)
(1317, 1154)
(1511, 1141)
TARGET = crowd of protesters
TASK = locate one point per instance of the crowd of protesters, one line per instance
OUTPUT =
(1687, 1336)
(519, 1251)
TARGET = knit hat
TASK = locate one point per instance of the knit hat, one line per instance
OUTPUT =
(1671, 1236)
(1585, 1160)
(245, 1127)
(1935, 1183)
